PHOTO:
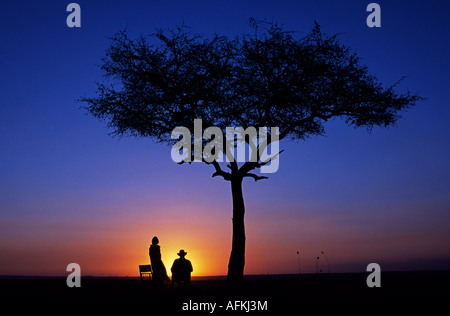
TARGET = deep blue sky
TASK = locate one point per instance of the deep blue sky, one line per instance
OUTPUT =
(363, 197)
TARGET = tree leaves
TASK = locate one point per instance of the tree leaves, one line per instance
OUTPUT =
(267, 78)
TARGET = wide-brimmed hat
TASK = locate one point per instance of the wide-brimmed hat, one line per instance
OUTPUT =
(182, 253)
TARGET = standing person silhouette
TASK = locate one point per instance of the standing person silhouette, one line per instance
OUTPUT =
(158, 268)
(181, 270)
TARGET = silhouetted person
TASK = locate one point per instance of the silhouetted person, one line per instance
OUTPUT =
(158, 268)
(181, 270)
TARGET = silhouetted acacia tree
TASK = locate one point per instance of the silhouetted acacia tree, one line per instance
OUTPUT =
(268, 78)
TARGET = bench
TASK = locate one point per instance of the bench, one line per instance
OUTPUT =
(145, 269)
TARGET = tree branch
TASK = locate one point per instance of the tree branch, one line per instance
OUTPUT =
(219, 171)
(255, 177)
(250, 165)
(265, 162)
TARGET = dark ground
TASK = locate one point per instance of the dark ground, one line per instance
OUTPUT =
(277, 290)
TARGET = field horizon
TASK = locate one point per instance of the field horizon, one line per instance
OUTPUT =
(260, 287)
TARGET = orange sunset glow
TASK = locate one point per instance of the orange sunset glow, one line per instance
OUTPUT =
(116, 245)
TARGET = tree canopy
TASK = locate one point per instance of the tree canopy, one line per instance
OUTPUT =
(268, 78)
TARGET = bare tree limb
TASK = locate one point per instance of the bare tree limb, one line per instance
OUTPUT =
(255, 177)
(220, 172)
(250, 165)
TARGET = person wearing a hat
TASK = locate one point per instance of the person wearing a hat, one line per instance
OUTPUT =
(181, 270)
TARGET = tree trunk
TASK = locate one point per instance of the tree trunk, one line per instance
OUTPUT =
(237, 257)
